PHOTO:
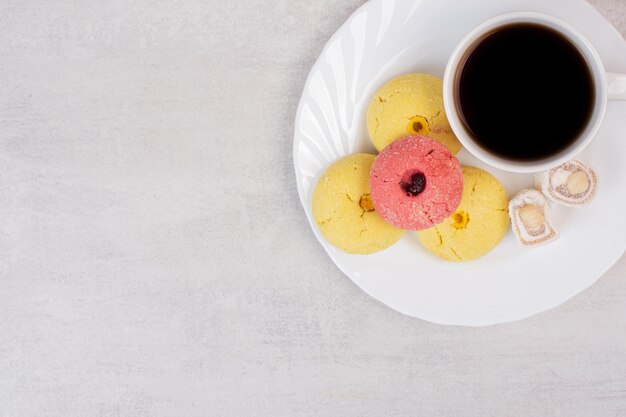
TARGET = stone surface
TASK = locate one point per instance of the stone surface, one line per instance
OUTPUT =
(155, 260)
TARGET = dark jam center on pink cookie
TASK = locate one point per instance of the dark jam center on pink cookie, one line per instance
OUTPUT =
(415, 184)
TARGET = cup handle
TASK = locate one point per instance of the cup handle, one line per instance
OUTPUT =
(617, 86)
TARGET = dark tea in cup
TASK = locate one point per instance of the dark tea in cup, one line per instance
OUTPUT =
(524, 92)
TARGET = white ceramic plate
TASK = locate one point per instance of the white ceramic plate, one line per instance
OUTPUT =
(385, 38)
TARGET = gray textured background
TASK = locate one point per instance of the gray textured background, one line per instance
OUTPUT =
(155, 260)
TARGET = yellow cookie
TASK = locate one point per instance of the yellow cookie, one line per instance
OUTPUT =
(478, 225)
(408, 105)
(343, 209)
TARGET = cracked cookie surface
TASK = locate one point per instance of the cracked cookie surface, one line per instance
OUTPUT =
(416, 183)
(477, 226)
(343, 209)
(410, 104)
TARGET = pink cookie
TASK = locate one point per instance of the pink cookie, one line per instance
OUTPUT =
(416, 183)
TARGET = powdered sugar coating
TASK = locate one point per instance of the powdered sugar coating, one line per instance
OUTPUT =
(553, 184)
(396, 164)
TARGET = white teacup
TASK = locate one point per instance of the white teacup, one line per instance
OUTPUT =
(608, 86)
